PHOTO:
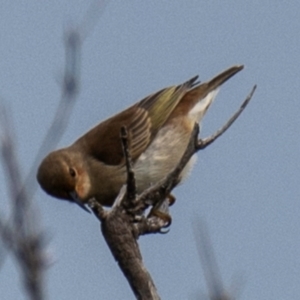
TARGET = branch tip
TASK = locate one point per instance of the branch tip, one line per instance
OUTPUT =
(203, 143)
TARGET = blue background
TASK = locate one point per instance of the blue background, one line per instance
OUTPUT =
(245, 185)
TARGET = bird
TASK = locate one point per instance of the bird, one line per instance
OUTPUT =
(159, 128)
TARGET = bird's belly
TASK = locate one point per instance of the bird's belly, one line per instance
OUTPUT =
(162, 156)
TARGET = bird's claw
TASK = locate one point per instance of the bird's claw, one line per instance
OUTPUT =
(172, 199)
(165, 217)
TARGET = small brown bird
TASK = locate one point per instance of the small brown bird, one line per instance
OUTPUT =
(159, 129)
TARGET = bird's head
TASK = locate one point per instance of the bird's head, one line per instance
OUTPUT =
(62, 175)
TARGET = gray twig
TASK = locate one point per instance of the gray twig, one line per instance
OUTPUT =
(203, 143)
(22, 235)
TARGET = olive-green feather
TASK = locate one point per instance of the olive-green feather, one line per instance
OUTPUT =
(161, 104)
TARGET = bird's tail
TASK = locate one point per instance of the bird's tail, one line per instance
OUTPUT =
(200, 97)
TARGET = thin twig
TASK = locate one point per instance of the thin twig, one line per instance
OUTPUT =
(11, 168)
(209, 264)
(158, 192)
(22, 235)
(131, 185)
(93, 14)
(203, 143)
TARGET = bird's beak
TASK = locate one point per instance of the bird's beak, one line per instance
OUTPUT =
(76, 199)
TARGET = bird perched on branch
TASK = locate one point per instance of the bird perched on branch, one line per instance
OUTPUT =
(159, 129)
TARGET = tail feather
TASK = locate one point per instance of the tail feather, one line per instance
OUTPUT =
(201, 107)
(223, 77)
(198, 99)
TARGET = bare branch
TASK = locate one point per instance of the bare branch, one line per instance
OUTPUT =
(11, 167)
(123, 224)
(121, 237)
(120, 233)
(131, 186)
(158, 192)
(22, 235)
(203, 143)
(27, 237)
(94, 12)
(209, 264)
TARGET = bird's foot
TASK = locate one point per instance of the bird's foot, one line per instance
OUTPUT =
(161, 211)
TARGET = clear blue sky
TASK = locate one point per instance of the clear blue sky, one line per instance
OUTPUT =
(246, 185)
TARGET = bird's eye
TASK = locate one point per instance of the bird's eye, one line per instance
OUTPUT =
(72, 172)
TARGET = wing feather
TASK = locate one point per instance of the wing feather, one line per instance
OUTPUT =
(142, 121)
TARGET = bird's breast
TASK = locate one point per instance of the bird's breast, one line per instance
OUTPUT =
(163, 154)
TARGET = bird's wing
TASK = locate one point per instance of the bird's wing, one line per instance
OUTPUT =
(161, 104)
(142, 122)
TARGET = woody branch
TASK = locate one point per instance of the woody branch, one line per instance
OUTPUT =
(125, 222)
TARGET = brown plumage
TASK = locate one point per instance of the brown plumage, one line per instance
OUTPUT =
(159, 129)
